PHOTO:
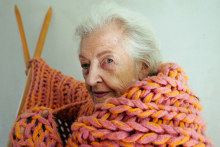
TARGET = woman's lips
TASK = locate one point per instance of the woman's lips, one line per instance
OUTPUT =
(100, 94)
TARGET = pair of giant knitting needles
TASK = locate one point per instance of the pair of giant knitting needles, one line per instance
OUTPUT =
(37, 53)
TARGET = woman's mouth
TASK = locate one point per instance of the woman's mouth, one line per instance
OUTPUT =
(100, 94)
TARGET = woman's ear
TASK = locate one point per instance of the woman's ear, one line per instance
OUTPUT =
(143, 70)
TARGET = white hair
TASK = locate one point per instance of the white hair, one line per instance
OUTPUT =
(140, 41)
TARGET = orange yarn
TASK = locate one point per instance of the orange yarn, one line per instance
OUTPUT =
(32, 129)
(51, 89)
(64, 98)
(158, 111)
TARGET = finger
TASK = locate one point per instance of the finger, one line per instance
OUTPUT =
(22, 130)
(45, 113)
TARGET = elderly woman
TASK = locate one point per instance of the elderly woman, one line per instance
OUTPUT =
(138, 101)
(117, 49)
(116, 53)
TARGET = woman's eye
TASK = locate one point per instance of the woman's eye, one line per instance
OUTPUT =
(85, 66)
(109, 60)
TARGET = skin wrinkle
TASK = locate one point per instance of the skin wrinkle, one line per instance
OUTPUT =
(124, 84)
(114, 77)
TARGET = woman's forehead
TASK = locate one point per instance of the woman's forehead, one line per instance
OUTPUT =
(105, 41)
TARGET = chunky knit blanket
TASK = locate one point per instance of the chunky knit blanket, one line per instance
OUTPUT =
(62, 97)
(161, 110)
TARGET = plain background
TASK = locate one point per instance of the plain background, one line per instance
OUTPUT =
(188, 31)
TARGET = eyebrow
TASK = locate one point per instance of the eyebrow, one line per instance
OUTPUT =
(104, 52)
(98, 55)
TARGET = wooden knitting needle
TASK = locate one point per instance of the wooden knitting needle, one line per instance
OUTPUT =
(23, 38)
(43, 34)
(37, 54)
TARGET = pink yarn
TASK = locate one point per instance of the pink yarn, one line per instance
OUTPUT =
(158, 111)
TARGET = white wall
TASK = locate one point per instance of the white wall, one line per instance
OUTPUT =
(189, 33)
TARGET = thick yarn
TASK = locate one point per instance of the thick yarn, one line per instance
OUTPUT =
(159, 111)
(64, 98)
(33, 129)
(50, 88)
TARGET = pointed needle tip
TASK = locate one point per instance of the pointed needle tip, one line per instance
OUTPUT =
(16, 7)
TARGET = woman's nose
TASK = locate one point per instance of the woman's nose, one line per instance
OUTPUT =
(93, 76)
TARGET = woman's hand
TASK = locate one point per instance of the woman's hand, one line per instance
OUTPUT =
(36, 127)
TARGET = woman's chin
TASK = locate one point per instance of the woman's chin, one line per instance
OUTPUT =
(101, 100)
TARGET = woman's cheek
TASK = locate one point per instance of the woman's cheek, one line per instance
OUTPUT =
(116, 82)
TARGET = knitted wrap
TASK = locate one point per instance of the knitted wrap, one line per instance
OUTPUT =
(159, 111)
(51, 89)
(32, 129)
(64, 98)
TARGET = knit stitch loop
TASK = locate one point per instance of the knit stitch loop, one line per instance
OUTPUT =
(63, 97)
(32, 129)
(159, 111)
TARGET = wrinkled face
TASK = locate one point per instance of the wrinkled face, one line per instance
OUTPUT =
(107, 68)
